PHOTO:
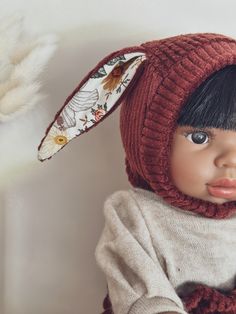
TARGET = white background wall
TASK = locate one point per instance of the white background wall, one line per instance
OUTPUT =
(51, 220)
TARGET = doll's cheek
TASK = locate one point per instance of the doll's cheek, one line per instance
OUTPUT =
(187, 171)
(180, 175)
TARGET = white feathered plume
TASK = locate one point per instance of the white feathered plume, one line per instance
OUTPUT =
(22, 59)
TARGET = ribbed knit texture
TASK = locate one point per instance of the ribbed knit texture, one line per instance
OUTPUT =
(205, 300)
(175, 67)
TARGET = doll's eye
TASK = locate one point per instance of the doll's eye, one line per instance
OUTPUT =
(198, 137)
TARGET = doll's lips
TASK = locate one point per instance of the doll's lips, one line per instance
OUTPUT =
(223, 187)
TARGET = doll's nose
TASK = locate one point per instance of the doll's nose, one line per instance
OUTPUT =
(227, 159)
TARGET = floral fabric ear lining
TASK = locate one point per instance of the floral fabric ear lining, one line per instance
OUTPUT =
(91, 103)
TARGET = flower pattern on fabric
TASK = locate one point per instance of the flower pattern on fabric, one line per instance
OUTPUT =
(82, 101)
(55, 140)
(100, 112)
(102, 72)
(116, 76)
(91, 102)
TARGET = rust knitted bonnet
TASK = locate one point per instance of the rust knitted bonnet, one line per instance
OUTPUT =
(165, 73)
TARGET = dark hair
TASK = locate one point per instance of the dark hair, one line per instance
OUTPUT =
(213, 103)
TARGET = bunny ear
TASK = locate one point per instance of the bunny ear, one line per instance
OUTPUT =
(91, 101)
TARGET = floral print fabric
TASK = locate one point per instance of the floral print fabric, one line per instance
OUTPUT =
(91, 103)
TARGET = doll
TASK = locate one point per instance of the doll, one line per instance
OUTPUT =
(168, 245)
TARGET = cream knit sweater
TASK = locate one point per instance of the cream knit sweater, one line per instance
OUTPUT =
(150, 251)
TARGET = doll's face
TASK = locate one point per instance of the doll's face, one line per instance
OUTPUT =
(203, 163)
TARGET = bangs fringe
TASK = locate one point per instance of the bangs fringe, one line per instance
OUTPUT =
(213, 104)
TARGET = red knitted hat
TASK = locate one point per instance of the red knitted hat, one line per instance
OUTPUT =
(166, 72)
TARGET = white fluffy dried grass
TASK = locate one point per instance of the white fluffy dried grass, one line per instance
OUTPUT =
(22, 60)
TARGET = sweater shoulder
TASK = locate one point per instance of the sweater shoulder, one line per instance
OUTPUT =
(136, 194)
(123, 203)
(130, 200)
(122, 210)
(131, 206)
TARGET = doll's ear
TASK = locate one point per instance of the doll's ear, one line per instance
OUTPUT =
(95, 97)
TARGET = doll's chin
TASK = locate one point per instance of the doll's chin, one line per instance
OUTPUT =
(204, 195)
(217, 200)
(213, 199)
